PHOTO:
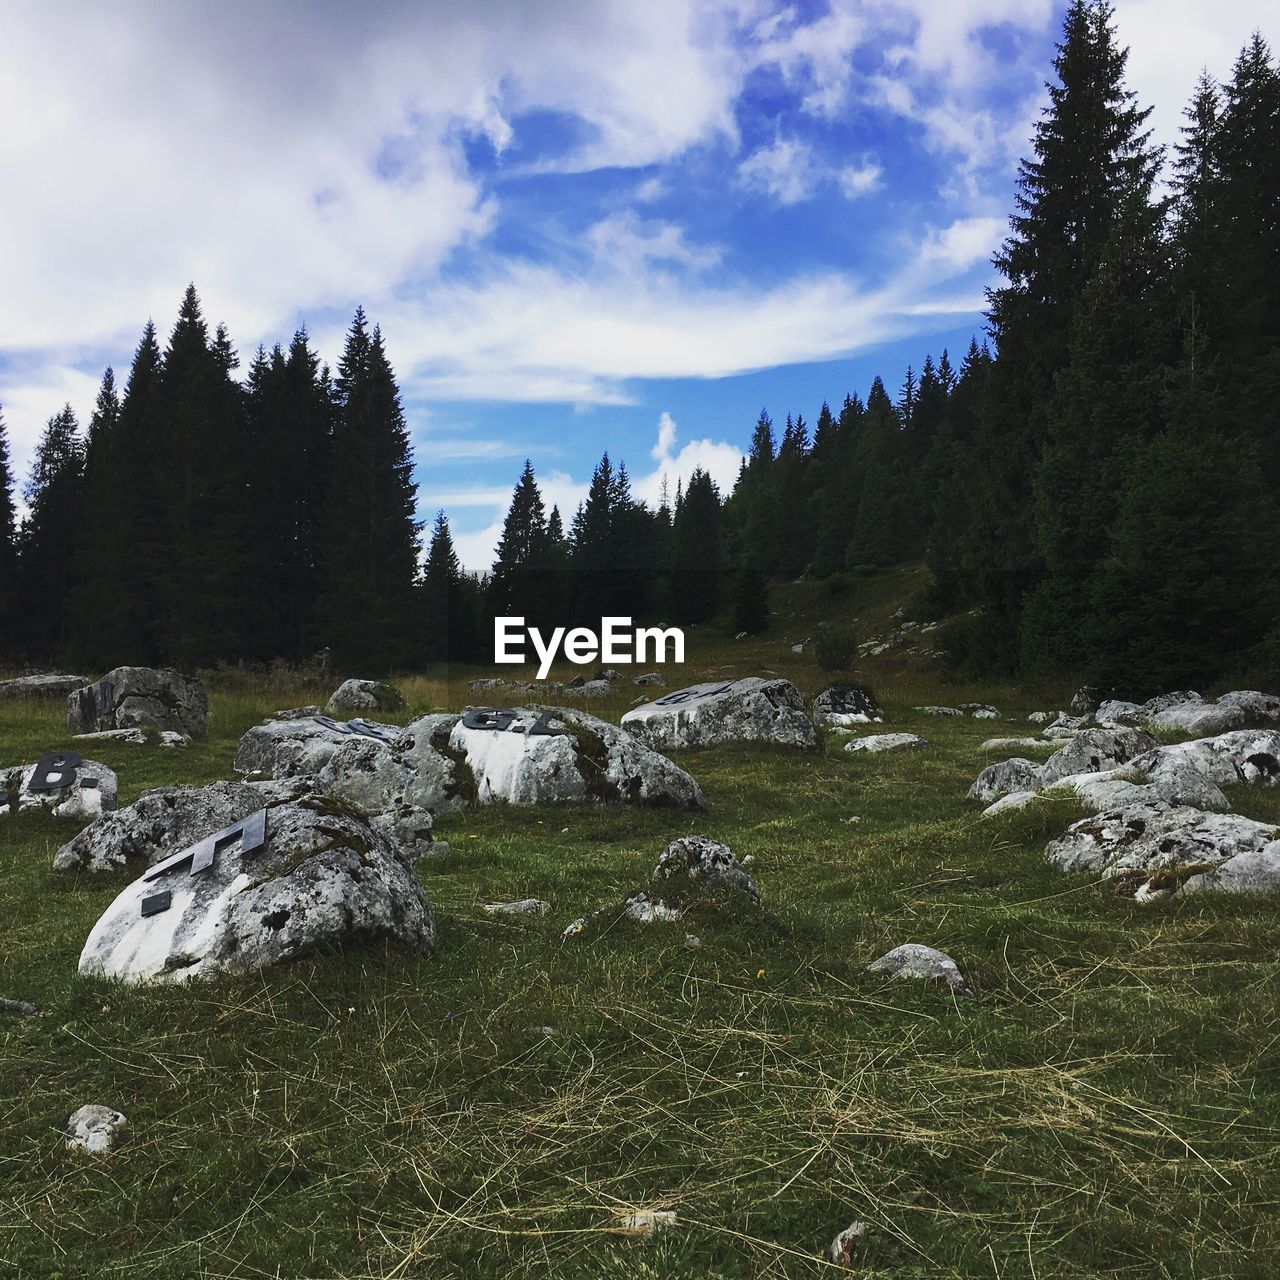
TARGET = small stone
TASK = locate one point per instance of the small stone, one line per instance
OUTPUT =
(645, 1221)
(878, 743)
(692, 942)
(914, 960)
(96, 1129)
(366, 695)
(524, 907)
(574, 928)
(841, 1250)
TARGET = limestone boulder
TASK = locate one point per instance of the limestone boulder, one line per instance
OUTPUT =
(704, 715)
(915, 960)
(41, 686)
(69, 787)
(841, 706)
(290, 748)
(365, 695)
(141, 698)
(877, 743)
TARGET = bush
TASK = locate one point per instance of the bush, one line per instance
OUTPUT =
(835, 647)
(837, 585)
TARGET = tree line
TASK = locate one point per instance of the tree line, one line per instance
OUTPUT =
(1093, 487)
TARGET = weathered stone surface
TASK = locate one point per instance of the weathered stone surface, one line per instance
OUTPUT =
(997, 780)
(365, 695)
(1039, 717)
(1011, 803)
(980, 710)
(1204, 719)
(135, 737)
(159, 823)
(698, 861)
(590, 689)
(523, 907)
(41, 686)
(1114, 714)
(939, 711)
(90, 792)
(441, 763)
(323, 878)
(651, 679)
(1166, 701)
(880, 742)
(749, 710)
(409, 829)
(1093, 751)
(96, 1129)
(297, 713)
(1115, 788)
(1065, 726)
(1157, 849)
(611, 674)
(840, 706)
(1260, 708)
(1244, 757)
(141, 697)
(914, 960)
(1086, 701)
(643, 909)
(842, 1248)
(1009, 744)
(287, 748)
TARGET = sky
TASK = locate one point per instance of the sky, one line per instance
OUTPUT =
(583, 225)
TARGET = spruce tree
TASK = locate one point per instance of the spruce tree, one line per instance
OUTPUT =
(517, 588)
(448, 604)
(750, 600)
(50, 545)
(697, 564)
(369, 608)
(9, 642)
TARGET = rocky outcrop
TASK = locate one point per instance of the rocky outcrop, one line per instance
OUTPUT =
(841, 706)
(140, 698)
(704, 715)
(41, 686)
(525, 756)
(365, 695)
(1092, 752)
(72, 789)
(297, 877)
(876, 743)
(1155, 849)
(290, 748)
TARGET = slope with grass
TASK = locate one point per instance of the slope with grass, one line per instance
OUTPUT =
(1108, 1106)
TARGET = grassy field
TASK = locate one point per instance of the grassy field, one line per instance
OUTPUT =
(1109, 1106)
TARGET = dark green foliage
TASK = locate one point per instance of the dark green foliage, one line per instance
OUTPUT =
(834, 648)
(8, 553)
(696, 559)
(750, 600)
(451, 601)
(49, 547)
(524, 556)
(369, 611)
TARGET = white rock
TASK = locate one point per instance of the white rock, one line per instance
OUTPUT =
(46, 685)
(841, 1250)
(749, 710)
(1261, 708)
(321, 878)
(96, 1129)
(524, 907)
(82, 789)
(1011, 803)
(841, 706)
(642, 909)
(1008, 744)
(879, 742)
(997, 780)
(939, 711)
(1039, 717)
(290, 748)
(914, 960)
(1203, 719)
(697, 860)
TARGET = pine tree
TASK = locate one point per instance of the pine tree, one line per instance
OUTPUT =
(750, 600)
(9, 640)
(49, 545)
(448, 603)
(517, 588)
(369, 605)
(697, 562)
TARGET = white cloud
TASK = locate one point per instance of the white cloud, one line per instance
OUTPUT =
(718, 458)
(857, 180)
(785, 170)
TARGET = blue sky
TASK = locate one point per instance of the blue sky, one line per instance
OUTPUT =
(582, 225)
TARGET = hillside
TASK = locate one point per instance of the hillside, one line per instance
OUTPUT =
(1107, 1106)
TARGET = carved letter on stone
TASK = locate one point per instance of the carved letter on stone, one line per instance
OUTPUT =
(56, 770)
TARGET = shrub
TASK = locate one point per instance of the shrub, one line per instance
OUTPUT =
(834, 648)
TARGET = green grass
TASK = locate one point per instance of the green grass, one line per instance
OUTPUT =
(1109, 1106)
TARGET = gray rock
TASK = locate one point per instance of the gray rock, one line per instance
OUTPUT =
(642, 909)
(1093, 751)
(41, 686)
(139, 698)
(1010, 744)
(1086, 701)
(96, 1129)
(1011, 803)
(1114, 715)
(980, 710)
(1039, 717)
(651, 679)
(1244, 757)
(939, 711)
(880, 742)
(840, 706)
(1065, 726)
(90, 792)
(365, 695)
(841, 1249)
(590, 689)
(524, 907)
(138, 737)
(1157, 849)
(914, 960)
(409, 829)
(297, 713)
(610, 674)
(159, 823)
(1115, 788)
(749, 710)
(697, 860)
(288, 748)
(1203, 719)
(998, 780)
(440, 763)
(322, 878)
(1155, 706)
(1260, 708)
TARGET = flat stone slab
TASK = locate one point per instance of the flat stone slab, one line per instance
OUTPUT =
(881, 742)
(704, 715)
(41, 686)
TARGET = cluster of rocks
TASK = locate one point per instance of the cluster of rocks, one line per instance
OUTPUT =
(1183, 711)
(904, 636)
(1162, 825)
(974, 710)
(600, 685)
